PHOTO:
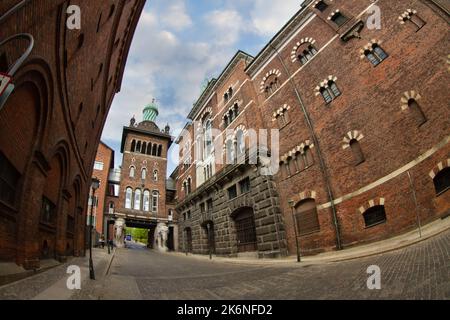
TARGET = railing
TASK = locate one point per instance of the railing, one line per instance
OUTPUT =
(207, 216)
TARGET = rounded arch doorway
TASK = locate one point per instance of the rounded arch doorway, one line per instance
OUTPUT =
(244, 220)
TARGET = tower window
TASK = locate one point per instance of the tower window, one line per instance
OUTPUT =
(132, 172)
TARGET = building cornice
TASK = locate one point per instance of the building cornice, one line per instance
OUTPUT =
(209, 91)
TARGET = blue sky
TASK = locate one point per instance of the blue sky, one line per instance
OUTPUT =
(180, 43)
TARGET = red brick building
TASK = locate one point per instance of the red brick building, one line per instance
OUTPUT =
(145, 197)
(103, 165)
(51, 124)
(363, 118)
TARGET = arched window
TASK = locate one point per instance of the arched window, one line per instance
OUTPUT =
(306, 217)
(376, 55)
(132, 172)
(374, 216)
(149, 149)
(326, 95)
(146, 201)
(417, 112)
(137, 199)
(155, 150)
(144, 148)
(230, 92)
(273, 85)
(293, 166)
(306, 52)
(236, 110)
(111, 207)
(308, 157)
(412, 17)
(230, 152)
(442, 181)
(357, 151)
(155, 196)
(299, 161)
(128, 197)
(289, 166)
(138, 147)
(240, 143)
(133, 146)
(334, 89)
(208, 138)
(159, 150)
(371, 57)
(155, 175)
(189, 185)
(144, 174)
(380, 53)
(185, 188)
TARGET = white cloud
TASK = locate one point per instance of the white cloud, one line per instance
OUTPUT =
(171, 67)
(176, 17)
(226, 26)
(267, 17)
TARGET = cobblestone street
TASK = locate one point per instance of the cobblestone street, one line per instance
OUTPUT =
(421, 271)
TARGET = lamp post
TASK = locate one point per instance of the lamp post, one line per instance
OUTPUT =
(291, 204)
(208, 226)
(95, 185)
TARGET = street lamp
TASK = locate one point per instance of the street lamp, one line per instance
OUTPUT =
(208, 226)
(95, 185)
(292, 205)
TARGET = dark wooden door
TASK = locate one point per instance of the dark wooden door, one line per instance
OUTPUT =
(246, 231)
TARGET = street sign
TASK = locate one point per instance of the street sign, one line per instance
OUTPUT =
(5, 80)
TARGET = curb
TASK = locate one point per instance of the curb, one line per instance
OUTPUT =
(113, 254)
(312, 262)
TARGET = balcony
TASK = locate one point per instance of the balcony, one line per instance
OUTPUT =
(207, 216)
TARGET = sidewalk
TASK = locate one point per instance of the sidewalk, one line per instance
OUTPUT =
(395, 243)
(51, 285)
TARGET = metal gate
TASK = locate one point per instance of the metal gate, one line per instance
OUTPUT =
(246, 231)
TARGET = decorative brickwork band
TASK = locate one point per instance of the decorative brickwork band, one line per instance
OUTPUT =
(275, 72)
(372, 203)
(369, 47)
(407, 96)
(298, 45)
(299, 149)
(280, 112)
(324, 84)
(352, 135)
(440, 166)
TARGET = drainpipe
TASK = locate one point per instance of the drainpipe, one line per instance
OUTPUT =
(319, 152)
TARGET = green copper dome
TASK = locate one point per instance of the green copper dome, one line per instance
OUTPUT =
(151, 112)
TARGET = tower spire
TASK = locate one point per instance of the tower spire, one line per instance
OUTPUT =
(151, 111)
